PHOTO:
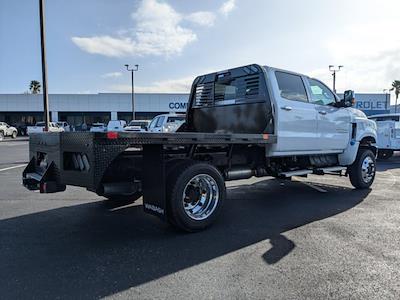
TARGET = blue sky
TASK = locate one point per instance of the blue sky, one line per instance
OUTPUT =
(89, 41)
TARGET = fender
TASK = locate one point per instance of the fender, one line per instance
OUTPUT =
(364, 132)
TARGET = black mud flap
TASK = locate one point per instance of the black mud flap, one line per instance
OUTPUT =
(46, 181)
(154, 181)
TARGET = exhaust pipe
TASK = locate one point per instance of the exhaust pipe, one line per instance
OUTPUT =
(239, 173)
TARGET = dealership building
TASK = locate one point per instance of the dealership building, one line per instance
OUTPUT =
(77, 109)
(88, 108)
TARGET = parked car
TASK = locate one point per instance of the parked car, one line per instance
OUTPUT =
(7, 130)
(166, 123)
(137, 126)
(21, 127)
(116, 125)
(64, 125)
(98, 127)
(388, 134)
(39, 127)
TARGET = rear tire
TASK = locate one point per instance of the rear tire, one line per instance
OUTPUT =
(14, 135)
(385, 154)
(1, 136)
(195, 196)
(362, 171)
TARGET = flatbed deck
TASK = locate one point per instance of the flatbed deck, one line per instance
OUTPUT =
(186, 138)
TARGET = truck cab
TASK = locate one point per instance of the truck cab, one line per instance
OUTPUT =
(305, 115)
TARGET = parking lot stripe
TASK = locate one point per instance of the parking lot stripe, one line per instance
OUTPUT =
(13, 167)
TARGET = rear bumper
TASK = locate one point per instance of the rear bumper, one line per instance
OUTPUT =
(46, 180)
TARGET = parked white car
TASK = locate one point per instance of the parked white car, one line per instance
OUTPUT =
(98, 127)
(39, 127)
(116, 125)
(7, 130)
(137, 126)
(166, 123)
(64, 125)
(388, 134)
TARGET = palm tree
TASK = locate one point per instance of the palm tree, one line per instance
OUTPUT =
(35, 87)
(396, 89)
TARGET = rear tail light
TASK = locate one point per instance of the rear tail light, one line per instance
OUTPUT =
(112, 135)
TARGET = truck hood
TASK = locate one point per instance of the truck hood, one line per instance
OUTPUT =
(364, 124)
(356, 113)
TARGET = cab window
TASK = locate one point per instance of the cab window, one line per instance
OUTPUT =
(320, 94)
(291, 86)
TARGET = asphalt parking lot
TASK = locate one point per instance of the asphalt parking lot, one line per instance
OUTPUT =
(312, 238)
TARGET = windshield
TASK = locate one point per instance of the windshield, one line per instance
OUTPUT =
(40, 124)
(138, 123)
(175, 119)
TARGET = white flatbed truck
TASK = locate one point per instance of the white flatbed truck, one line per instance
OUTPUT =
(242, 122)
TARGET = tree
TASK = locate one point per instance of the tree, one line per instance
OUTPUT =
(396, 89)
(35, 87)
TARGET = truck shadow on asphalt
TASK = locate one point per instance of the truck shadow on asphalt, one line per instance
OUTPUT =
(389, 164)
(87, 251)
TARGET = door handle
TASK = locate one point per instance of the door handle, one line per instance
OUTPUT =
(322, 112)
(287, 108)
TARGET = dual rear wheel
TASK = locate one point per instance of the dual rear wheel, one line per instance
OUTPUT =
(195, 196)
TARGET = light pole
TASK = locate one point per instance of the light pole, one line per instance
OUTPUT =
(133, 87)
(334, 70)
(386, 97)
(44, 65)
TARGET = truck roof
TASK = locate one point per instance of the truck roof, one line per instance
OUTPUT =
(384, 115)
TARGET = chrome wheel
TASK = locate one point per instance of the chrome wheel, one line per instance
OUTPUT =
(368, 169)
(200, 197)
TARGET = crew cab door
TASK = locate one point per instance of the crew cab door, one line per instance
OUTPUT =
(297, 117)
(334, 124)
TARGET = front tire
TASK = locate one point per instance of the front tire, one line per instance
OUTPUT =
(362, 171)
(1, 136)
(14, 135)
(196, 193)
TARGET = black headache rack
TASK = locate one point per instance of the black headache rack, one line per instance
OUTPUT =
(81, 158)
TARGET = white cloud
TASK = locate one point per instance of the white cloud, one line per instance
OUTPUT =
(180, 85)
(202, 18)
(112, 75)
(158, 31)
(370, 54)
(227, 7)
(105, 45)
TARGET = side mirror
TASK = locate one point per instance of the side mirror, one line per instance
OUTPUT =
(348, 99)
